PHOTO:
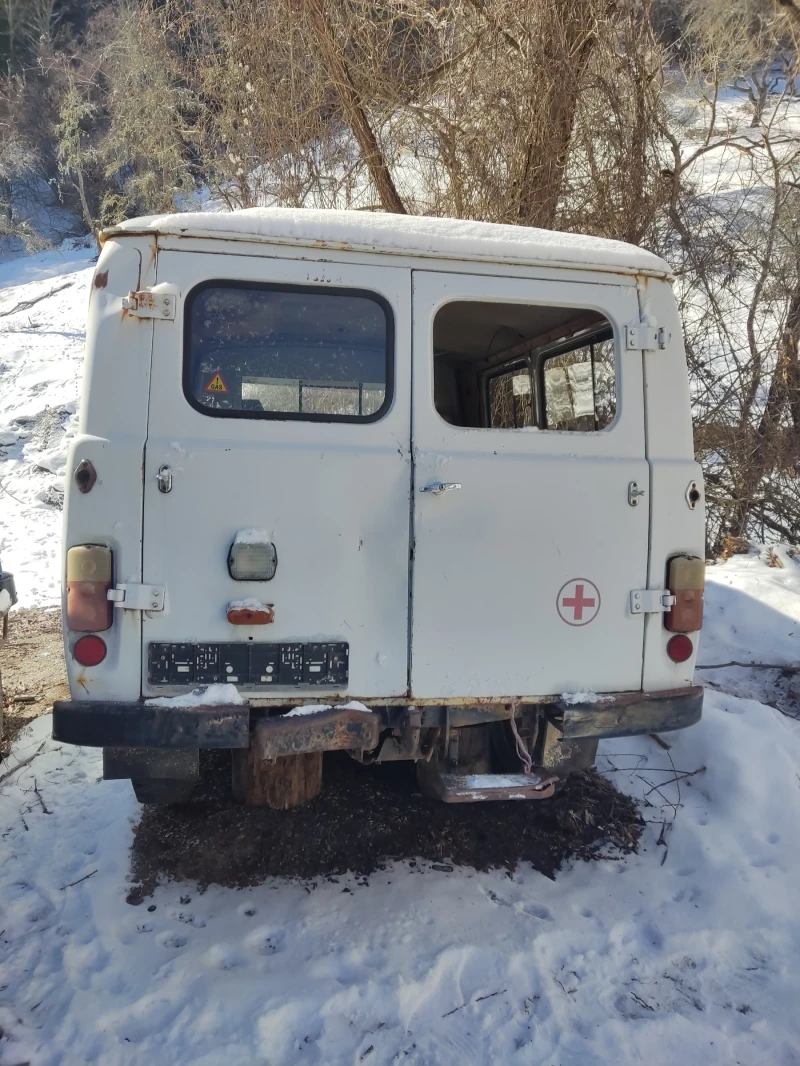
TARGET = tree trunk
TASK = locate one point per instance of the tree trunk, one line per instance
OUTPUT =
(771, 435)
(573, 38)
(281, 784)
(791, 9)
(353, 110)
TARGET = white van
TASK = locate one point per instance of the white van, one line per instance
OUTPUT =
(430, 481)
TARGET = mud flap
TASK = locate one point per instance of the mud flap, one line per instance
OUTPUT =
(151, 764)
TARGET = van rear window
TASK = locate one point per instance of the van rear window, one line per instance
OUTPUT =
(518, 366)
(272, 351)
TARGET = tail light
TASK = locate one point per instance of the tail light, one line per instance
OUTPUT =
(686, 581)
(90, 650)
(680, 648)
(89, 569)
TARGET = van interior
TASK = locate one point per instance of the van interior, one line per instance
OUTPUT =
(512, 366)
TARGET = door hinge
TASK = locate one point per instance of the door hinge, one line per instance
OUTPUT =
(152, 303)
(138, 597)
(651, 601)
(640, 336)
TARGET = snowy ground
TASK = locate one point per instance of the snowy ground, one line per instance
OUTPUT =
(687, 952)
(41, 353)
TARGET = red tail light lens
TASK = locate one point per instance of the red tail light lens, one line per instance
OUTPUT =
(90, 651)
(680, 648)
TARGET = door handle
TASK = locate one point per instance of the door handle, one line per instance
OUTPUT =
(438, 488)
(164, 479)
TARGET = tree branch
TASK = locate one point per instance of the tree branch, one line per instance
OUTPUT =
(353, 109)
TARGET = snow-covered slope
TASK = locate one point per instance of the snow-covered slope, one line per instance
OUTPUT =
(42, 312)
(685, 953)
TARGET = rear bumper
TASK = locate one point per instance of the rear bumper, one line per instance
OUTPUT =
(630, 714)
(99, 724)
(94, 724)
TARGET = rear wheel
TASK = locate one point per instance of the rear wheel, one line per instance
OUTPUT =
(162, 790)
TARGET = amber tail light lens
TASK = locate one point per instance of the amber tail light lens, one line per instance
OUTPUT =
(90, 651)
(686, 581)
(89, 570)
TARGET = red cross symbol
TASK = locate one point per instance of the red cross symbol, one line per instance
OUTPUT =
(578, 601)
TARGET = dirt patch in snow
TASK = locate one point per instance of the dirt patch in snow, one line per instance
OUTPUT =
(32, 669)
(366, 817)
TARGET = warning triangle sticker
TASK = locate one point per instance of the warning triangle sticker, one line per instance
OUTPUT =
(216, 384)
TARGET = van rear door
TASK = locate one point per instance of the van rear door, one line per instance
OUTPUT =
(529, 451)
(279, 416)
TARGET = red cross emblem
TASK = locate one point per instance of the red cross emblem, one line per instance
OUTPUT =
(578, 601)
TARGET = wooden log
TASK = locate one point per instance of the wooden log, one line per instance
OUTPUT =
(279, 784)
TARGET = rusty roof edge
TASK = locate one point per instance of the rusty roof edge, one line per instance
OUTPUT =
(374, 249)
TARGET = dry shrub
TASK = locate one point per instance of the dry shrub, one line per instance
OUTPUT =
(734, 546)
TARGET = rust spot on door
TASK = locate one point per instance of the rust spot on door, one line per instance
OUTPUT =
(101, 279)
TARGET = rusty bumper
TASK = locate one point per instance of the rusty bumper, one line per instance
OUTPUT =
(100, 724)
(137, 724)
(630, 714)
(337, 729)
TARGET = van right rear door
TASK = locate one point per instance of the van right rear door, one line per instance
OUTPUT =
(526, 542)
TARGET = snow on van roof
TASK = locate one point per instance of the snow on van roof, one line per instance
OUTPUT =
(449, 238)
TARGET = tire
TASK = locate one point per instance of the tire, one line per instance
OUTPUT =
(162, 790)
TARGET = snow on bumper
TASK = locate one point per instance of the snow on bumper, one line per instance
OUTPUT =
(629, 714)
(166, 723)
(199, 723)
(99, 724)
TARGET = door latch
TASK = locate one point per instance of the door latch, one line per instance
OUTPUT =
(651, 601)
(634, 493)
(138, 597)
(164, 479)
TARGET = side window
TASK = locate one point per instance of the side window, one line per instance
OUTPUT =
(515, 366)
(272, 351)
(511, 399)
(579, 388)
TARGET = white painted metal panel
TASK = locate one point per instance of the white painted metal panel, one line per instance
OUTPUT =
(676, 527)
(537, 514)
(334, 496)
(112, 432)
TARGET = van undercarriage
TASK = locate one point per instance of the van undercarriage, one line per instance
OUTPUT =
(504, 750)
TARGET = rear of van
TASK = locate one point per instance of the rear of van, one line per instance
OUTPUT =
(446, 499)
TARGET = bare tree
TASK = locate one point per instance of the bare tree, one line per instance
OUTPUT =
(613, 117)
(352, 105)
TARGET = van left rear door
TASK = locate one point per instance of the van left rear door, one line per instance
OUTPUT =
(280, 408)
